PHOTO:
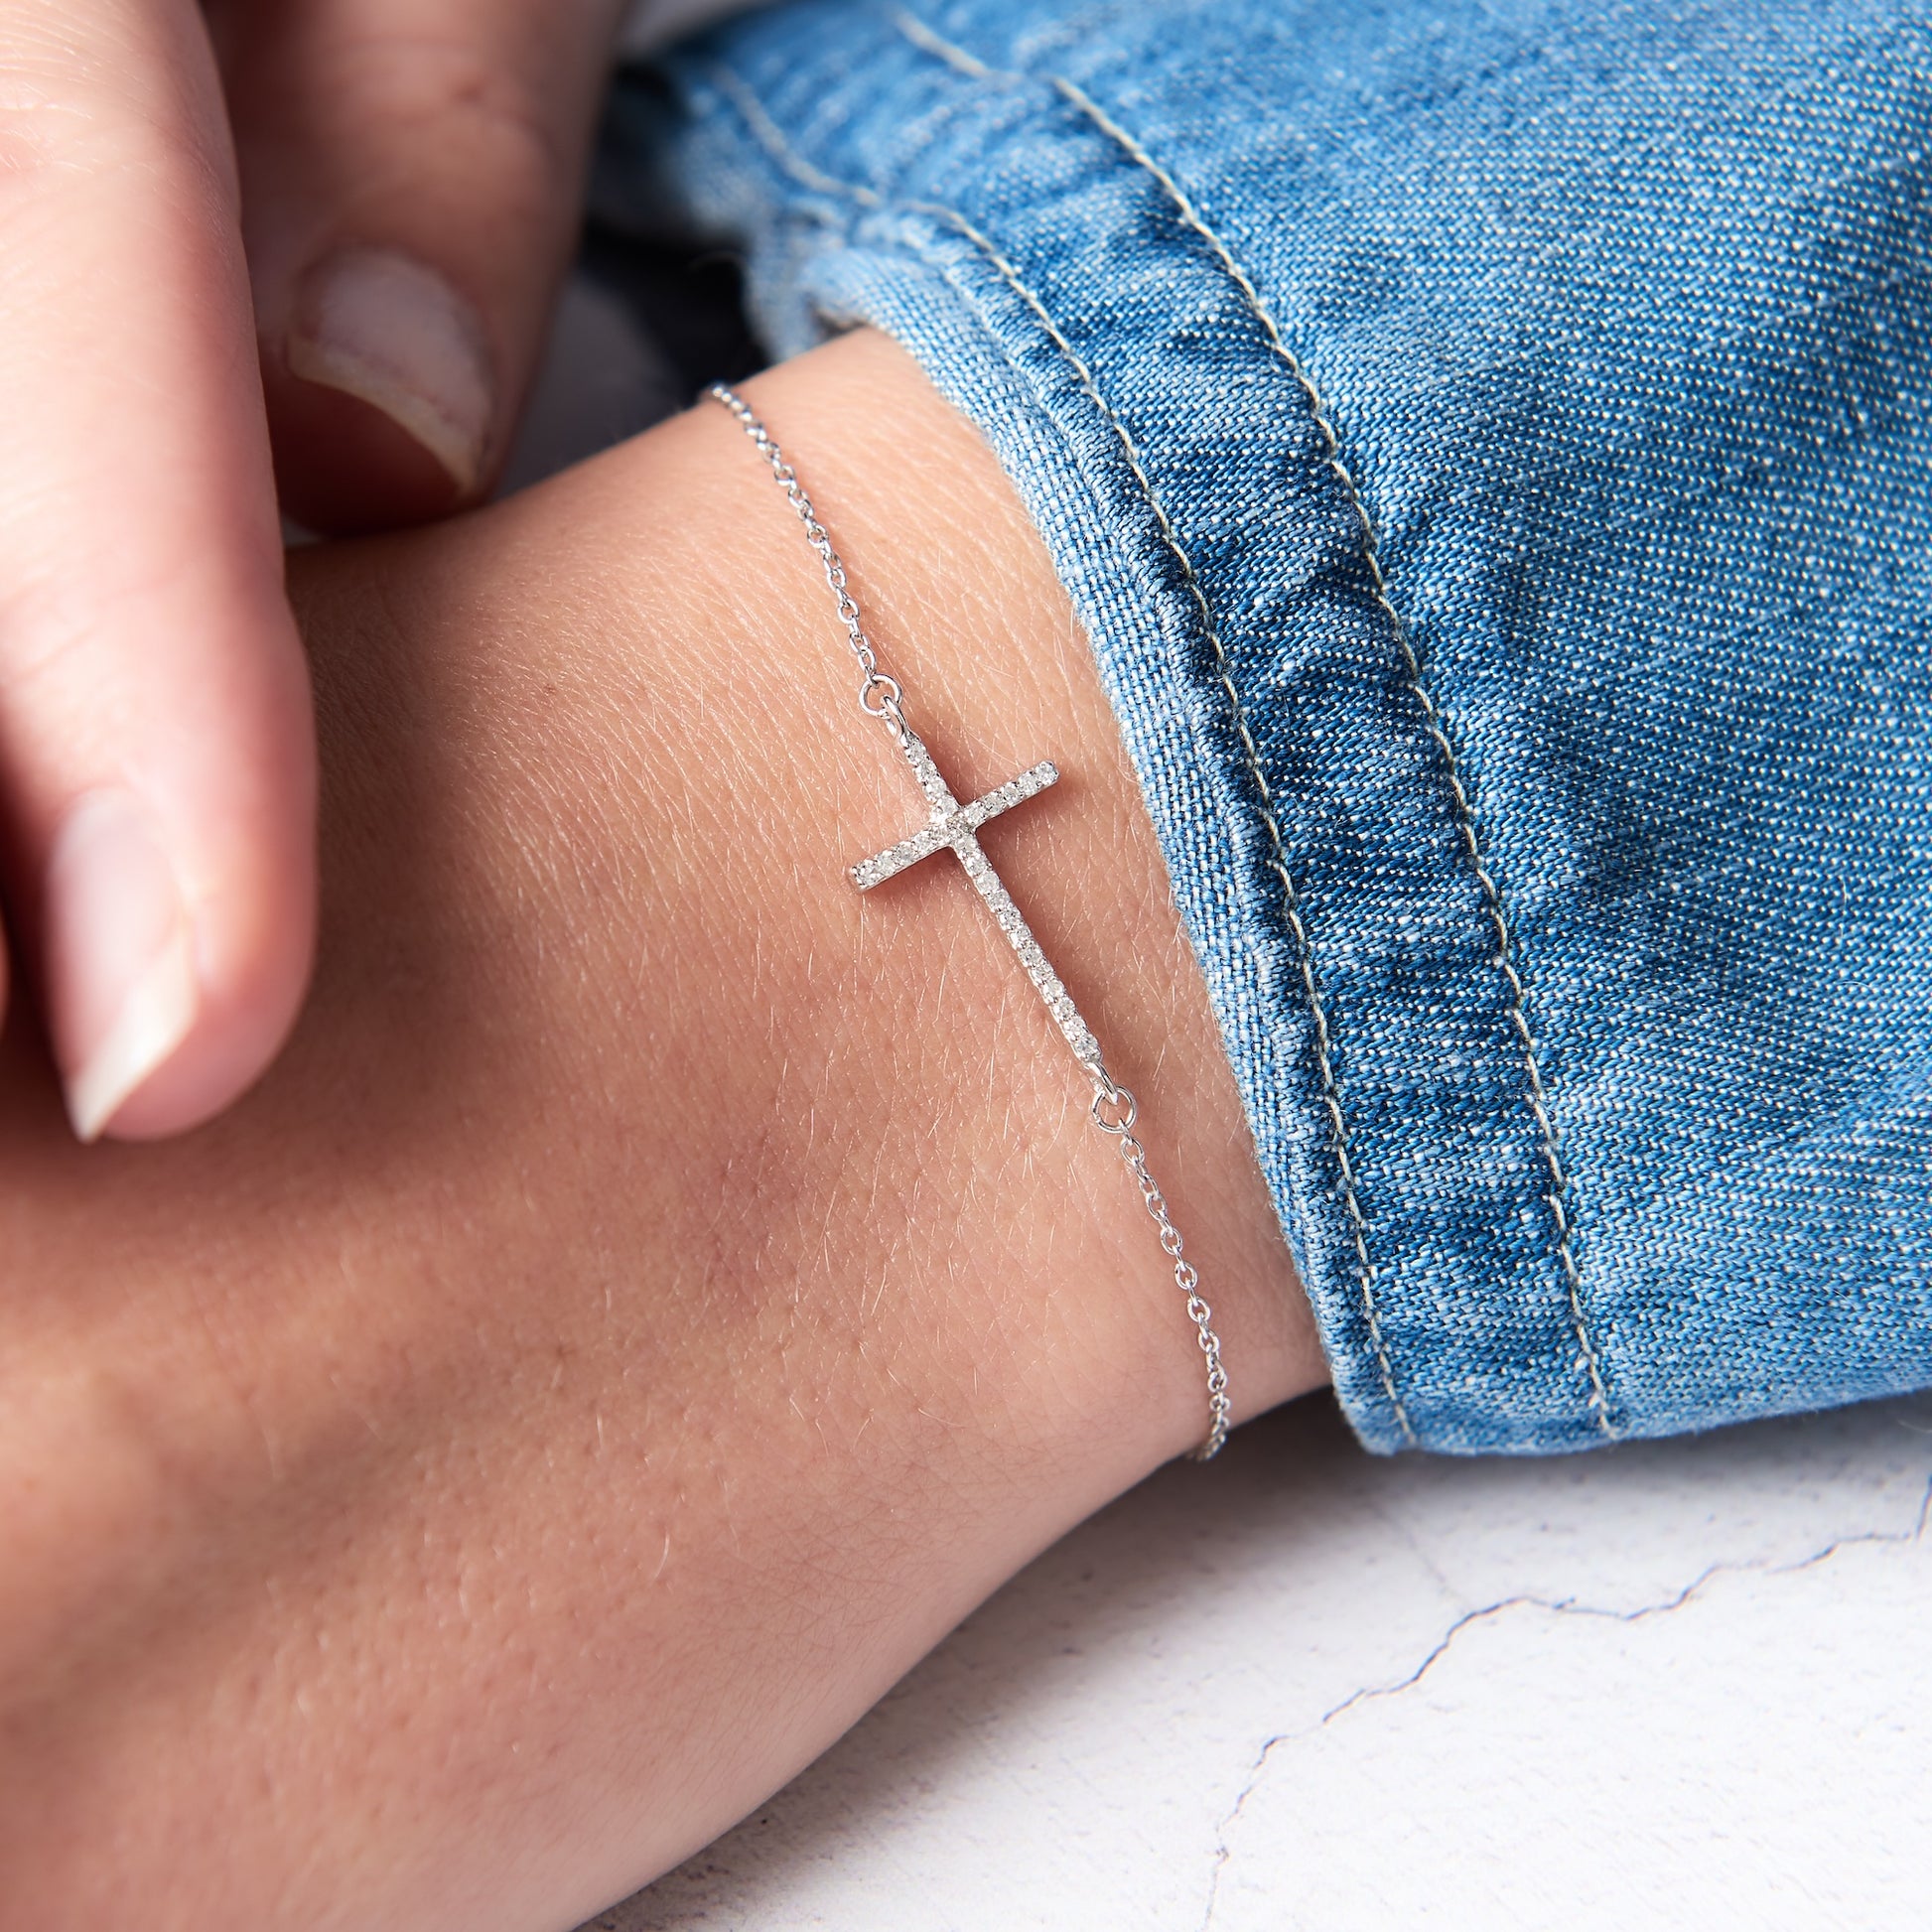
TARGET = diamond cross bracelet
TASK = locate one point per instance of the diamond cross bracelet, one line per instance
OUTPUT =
(955, 827)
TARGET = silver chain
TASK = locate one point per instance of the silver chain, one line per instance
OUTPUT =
(1114, 1108)
(1114, 1112)
(879, 695)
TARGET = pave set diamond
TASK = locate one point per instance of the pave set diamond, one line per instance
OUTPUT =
(954, 828)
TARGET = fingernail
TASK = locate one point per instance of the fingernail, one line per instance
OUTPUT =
(386, 328)
(120, 956)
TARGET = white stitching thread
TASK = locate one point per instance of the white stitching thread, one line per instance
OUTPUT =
(1433, 723)
(772, 140)
(927, 41)
(771, 137)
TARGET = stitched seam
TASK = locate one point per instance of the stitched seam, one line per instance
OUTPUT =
(771, 137)
(913, 29)
(1433, 723)
(772, 140)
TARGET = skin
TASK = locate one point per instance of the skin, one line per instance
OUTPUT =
(659, 1292)
(178, 183)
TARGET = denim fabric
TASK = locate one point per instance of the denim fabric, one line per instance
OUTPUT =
(1488, 443)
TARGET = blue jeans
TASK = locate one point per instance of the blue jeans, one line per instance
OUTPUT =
(1487, 442)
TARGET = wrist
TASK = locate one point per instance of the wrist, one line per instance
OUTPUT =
(903, 1315)
(662, 1289)
(959, 598)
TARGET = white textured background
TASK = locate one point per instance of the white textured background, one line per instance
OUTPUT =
(1686, 1684)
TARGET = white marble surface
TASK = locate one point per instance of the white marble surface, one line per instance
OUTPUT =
(1685, 1684)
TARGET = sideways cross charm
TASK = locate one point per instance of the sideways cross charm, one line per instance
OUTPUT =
(955, 827)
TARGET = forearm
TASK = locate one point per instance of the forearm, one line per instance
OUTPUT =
(661, 1290)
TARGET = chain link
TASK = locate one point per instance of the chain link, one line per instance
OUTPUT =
(1115, 1110)
(1114, 1113)
(879, 695)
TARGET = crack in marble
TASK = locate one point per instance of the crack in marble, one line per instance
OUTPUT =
(1556, 1607)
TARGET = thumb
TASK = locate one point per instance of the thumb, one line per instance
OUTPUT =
(412, 172)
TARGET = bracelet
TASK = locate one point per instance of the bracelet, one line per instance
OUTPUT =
(952, 827)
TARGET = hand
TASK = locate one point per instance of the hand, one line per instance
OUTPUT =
(407, 174)
(659, 1291)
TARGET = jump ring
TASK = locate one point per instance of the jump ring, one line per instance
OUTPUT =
(884, 689)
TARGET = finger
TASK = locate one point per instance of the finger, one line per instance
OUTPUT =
(412, 176)
(154, 715)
